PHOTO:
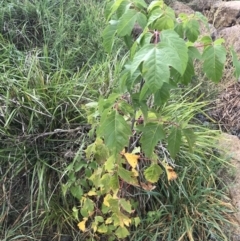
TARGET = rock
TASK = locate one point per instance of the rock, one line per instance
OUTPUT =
(224, 14)
(179, 7)
(231, 36)
(202, 5)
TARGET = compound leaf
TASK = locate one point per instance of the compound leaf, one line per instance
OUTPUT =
(156, 60)
(115, 131)
(214, 58)
(192, 30)
(190, 137)
(174, 141)
(173, 40)
(126, 22)
(109, 35)
(152, 133)
(166, 21)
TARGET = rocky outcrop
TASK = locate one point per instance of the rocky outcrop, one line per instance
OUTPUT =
(224, 14)
(202, 5)
(181, 8)
(231, 36)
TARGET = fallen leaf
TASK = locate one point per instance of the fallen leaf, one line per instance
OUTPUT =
(148, 186)
(171, 174)
(82, 225)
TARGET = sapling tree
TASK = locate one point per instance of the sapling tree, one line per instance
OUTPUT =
(128, 124)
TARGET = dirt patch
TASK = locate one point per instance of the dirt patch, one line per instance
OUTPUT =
(230, 146)
(227, 109)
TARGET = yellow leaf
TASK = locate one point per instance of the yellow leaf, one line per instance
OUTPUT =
(82, 225)
(94, 227)
(127, 221)
(106, 199)
(109, 220)
(92, 193)
(132, 159)
(171, 174)
(135, 172)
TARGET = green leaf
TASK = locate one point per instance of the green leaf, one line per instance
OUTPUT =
(126, 22)
(75, 213)
(179, 29)
(87, 207)
(214, 58)
(141, 19)
(114, 205)
(155, 71)
(166, 21)
(98, 151)
(111, 10)
(161, 96)
(115, 130)
(188, 74)
(125, 108)
(219, 41)
(206, 40)
(156, 61)
(122, 8)
(99, 219)
(108, 9)
(109, 164)
(77, 192)
(122, 232)
(104, 104)
(137, 221)
(145, 92)
(114, 182)
(102, 228)
(127, 176)
(194, 53)
(155, 14)
(236, 63)
(172, 39)
(104, 182)
(109, 36)
(153, 173)
(190, 136)
(202, 18)
(140, 3)
(155, 4)
(151, 134)
(126, 205)
(96, 176)
(174, 141)
(192, 30)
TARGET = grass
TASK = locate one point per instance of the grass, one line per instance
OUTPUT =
(51, 63)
